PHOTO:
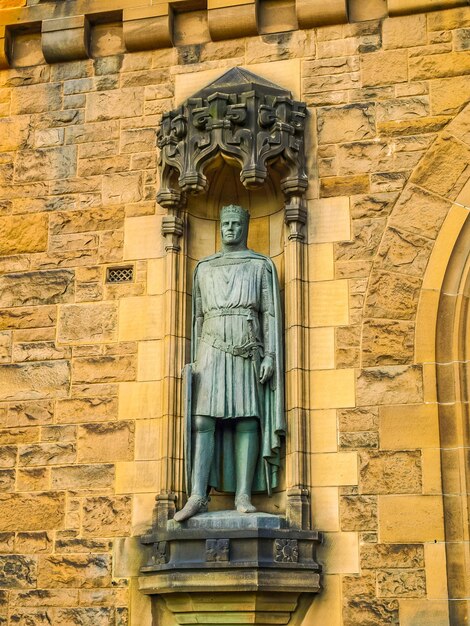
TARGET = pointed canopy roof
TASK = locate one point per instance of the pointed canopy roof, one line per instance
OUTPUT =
(239, 80)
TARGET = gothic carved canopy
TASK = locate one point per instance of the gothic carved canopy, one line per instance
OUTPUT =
(248, 121)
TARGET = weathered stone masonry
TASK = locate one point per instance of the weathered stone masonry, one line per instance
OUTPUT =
(82, 373)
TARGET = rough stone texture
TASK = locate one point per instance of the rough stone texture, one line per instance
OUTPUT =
(88, 323)
(42, 511)
(17, 571)
(393, 296)
(389, 385)
(358, 513)
(33, 288)
(82, 477)
(106, 517)
(106, 442)
(387, 342)
(370, 612)
(78, 165)
(390, 472)
(34, 380)
(23, 234)
(82, 571)
(391, 556)
(345, 123)
(401, 583)
(96, 409)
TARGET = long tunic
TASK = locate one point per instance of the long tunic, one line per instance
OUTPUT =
(234, 302)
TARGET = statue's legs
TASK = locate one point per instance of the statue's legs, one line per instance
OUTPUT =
(203, 447)
(246, 458)
(203, 428)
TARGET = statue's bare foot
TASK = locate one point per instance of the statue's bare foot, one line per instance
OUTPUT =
(243, 504)
(194, 505)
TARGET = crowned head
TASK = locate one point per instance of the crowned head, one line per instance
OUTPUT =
(234, 221)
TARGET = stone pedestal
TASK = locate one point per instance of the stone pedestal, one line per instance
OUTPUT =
(230, 568)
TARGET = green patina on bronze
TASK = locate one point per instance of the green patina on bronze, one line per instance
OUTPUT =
(235, 396)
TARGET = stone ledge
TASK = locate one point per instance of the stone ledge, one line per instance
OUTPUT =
(149, 25)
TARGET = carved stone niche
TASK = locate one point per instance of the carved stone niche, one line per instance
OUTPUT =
(248, 121)
(240, 139)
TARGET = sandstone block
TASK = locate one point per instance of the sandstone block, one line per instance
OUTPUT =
(29, 414)
(5, 347)
(404, 252)
(41, 511)
(442, 169)
(404, 32)
(351, 122)
(344, 185)
(45, 164)
(36, 99)
(390, 385)
(13, 133)
(34, 479)
(7, 456)
(387, 342)
(106, 442)
(410, 518)
(405, 427)
(103, 369)
(367, 234)
(31, 381)
(88, 323)
(402, 109)
(370, 206)
(354, 441)
(390, 472)
(79, 570)
(21, 234)
(18, 435)
(33, 542)
(107, 516)
(439, 65)
(17, 571)
(98, 616)
(44, 598)
(33, 288)
(39, 351)
(76, 477)
(358, 419)
(392, 296)
(422, 212)
(7, 480)
(370, 611)
(47, 454)
(358, 513)
(382, 68)
(108, 105)
(449, 94)
(96, 409)
(381, 555)
(354, 586)
(122, 188)
(401, 583)
(86, 221)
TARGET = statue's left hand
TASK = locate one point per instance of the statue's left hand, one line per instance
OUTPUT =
(266, 369)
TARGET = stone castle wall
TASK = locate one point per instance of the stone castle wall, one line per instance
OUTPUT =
(82, 393)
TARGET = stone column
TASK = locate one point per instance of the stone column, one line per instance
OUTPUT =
(296, 338)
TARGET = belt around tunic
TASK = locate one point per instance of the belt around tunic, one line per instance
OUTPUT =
(242, 311)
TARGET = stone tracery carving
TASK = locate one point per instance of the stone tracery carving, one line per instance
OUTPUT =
(247, 120)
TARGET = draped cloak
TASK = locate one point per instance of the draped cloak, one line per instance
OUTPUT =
(236, 321)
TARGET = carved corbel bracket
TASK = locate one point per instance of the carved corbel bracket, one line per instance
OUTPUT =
(65, 39)
(245, 119)
(5, 47)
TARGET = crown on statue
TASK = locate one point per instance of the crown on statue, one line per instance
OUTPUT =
(235, 210)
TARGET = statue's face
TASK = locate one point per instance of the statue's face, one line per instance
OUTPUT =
(232, 230)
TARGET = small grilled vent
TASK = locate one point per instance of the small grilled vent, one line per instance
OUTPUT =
(120, 274)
